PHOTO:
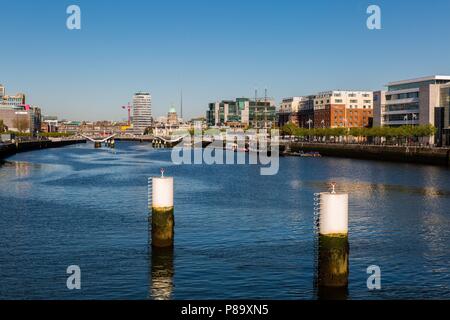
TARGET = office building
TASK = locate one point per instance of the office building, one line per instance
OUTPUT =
(242, 112)
(142, 112)
(442, 117)
(23, 119)
(420, 101)
(409, 102)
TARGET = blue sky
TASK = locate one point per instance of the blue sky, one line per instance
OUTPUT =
(212, 50)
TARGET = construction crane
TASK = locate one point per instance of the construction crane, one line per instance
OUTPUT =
(128, 108)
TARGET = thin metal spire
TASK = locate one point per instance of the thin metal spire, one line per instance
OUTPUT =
(181, 104)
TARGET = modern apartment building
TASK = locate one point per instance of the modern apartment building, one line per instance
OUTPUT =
(242, 112)
(329, 109)
(288, 110)
(142, 112)
(305, 115)
(338, 108)
(2, 92)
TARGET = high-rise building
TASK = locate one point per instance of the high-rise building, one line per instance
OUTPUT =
(142, 112)
(2, 91)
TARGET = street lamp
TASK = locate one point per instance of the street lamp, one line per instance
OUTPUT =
(309, 124)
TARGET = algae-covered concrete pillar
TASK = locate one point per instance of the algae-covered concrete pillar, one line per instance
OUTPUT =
(162, 211)
(333, 250)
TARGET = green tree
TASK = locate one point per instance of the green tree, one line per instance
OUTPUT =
(148, 131)
(289, 129)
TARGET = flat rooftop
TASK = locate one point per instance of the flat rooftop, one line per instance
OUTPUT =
(422, 79)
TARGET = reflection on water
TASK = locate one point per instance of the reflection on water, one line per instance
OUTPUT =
(161, 273)
(332, 293)
(332, 268)
(22, 169)
(239, 235)
(364, 189)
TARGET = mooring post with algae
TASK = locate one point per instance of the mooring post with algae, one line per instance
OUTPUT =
(162, 216)
(333, 246)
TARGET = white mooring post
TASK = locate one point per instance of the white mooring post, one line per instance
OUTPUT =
(333, 250)
(161, 190)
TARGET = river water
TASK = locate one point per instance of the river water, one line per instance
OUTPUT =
(237, 234)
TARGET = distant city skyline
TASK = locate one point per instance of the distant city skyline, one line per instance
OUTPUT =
(212, 51)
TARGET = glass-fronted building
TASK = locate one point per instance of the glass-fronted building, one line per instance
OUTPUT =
(413, 102)
(442, 118)
(242, 112)
(408, 102)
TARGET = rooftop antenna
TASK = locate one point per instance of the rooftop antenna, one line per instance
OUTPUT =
(265, 108)
(256, 109)
(181, 103)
